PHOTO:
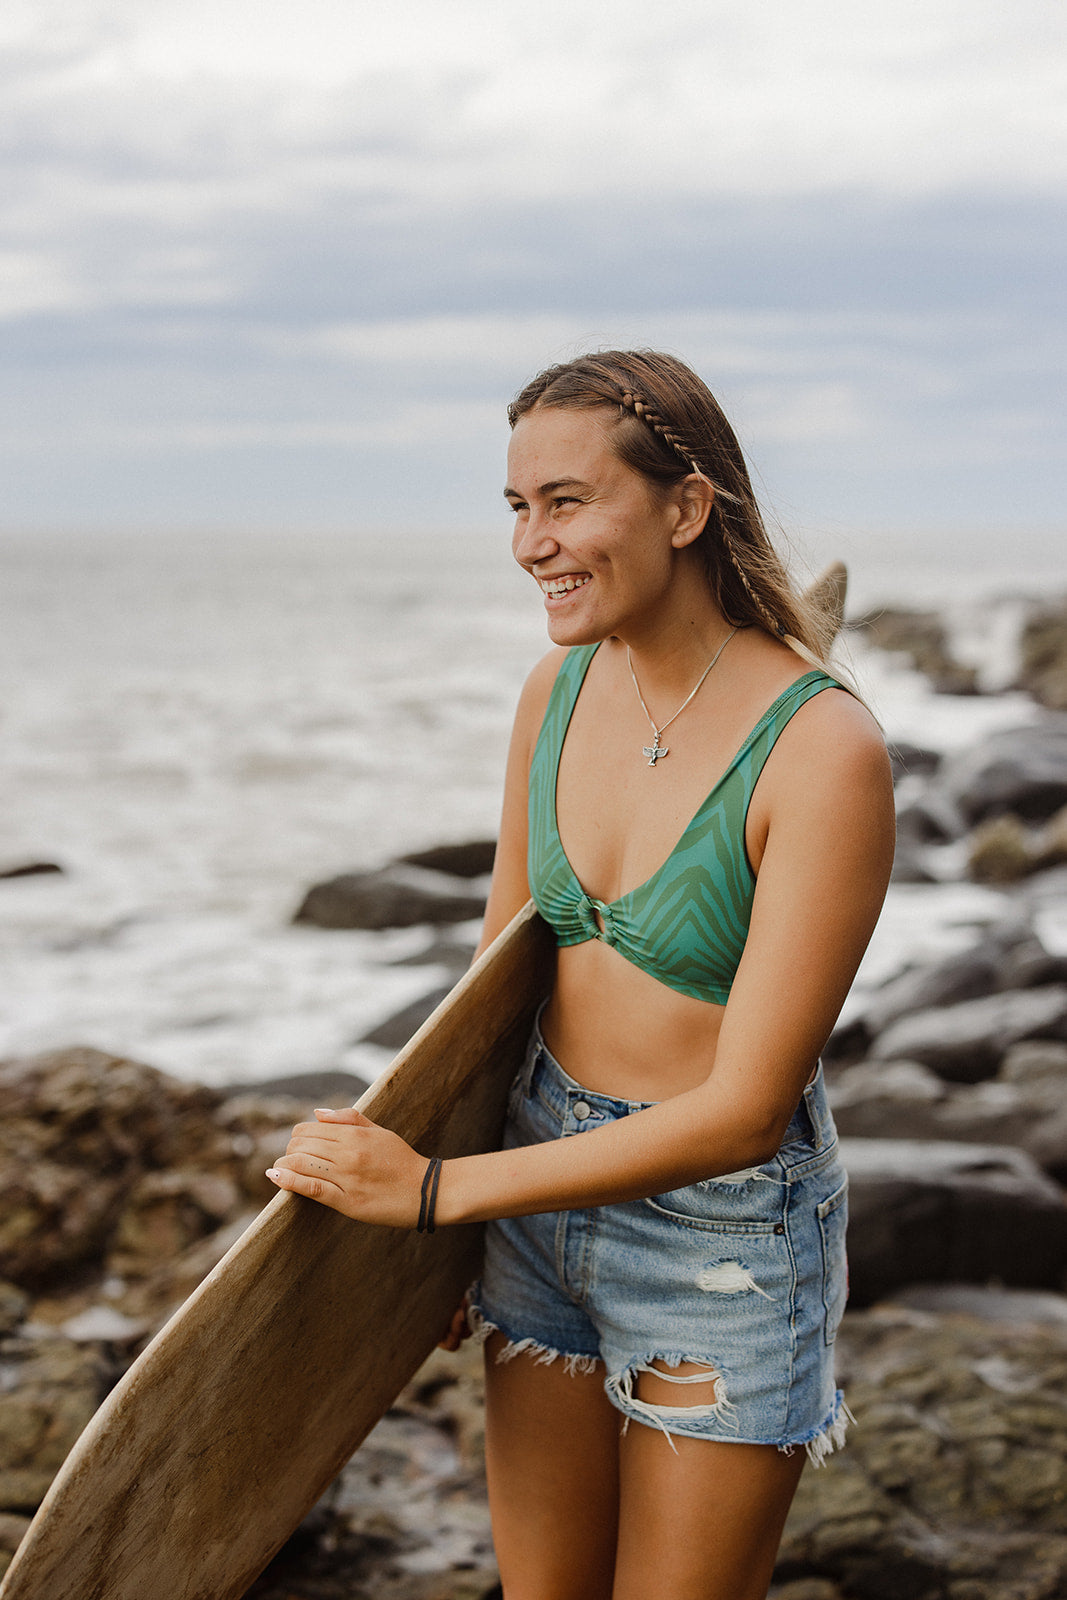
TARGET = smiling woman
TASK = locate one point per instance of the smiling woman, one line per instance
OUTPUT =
(679, 1266)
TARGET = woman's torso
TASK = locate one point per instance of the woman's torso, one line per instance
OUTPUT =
(659, 863)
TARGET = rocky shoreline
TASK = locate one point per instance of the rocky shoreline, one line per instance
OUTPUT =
(123, 1186)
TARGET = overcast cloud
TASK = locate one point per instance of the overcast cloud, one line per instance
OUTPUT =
(282, 265)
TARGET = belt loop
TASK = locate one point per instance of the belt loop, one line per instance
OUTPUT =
(814, 1110)
(533, 1056)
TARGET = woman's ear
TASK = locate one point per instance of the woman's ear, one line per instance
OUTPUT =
(695, 496)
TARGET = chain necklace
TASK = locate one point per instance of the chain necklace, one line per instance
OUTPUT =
(655, 751)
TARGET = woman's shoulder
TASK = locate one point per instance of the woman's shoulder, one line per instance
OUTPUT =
(537, 690)
(833, 738)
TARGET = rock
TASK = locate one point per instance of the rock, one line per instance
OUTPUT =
(164, 1213)
(912, 760)
(905, 1100)
(954, 1481)
(1029, 1306)
(938, 1211)
(966, 1042)
(1043, 657)
(1000, 851)
(12, 1529)
(395, 1031)
(14, 1304)
(303, 1089)
(1036, 1061)
(52, 1387)
(32, 869)
(1021, 770)
(471, 860)
(921, 636)
(83, 1138)
(453, 954)
(384, 899)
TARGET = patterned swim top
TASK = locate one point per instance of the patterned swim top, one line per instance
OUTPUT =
(686, 925)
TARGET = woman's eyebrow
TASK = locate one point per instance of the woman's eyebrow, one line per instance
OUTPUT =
(550, 488)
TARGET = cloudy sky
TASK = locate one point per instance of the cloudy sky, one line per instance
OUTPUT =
(280, 263)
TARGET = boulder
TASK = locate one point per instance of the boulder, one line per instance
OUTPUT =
(922, 638)
(934, 1211)
(52, 1386)
(953, 1485)
(1021, 770)
(905, 1100)
(389, 898)
(471, 860)
(1043, 656)
(395, 1031)
(966, 1042)
(100, 1154)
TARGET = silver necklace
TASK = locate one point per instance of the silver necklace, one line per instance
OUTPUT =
(655, 751)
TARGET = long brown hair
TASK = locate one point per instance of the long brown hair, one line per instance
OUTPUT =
(667, 424)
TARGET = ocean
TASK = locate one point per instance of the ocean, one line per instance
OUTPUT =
(196, 729)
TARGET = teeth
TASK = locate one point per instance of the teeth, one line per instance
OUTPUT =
(554, 587)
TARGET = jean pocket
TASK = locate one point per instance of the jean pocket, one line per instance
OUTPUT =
(832, 1214)
(750, 1203)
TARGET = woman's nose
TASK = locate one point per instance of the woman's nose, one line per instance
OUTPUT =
(533, 540)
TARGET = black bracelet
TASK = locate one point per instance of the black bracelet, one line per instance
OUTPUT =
(428, 1202)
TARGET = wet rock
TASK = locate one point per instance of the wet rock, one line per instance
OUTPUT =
(1043, 657)
(966, 1042)
(85, 1139)
(389, 898)
(905, 1100)
(455, 955)
(12, 1529)
(1000, 851)
(31, 869)
(14, 1303)
(940, 1211)
(1019, 770)
(954, 1482)
(395, 1031)
(920, 636)
(471, 860)
(912, 760)
(51, 1387)
(303, 1089)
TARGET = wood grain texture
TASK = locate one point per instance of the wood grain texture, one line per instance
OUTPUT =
(241, 1411)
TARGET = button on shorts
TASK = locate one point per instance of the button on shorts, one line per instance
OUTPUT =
(743, 1275)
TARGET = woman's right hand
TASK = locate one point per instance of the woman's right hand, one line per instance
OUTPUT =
(458, 1329)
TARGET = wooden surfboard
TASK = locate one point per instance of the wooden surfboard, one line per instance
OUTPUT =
(246, 1405)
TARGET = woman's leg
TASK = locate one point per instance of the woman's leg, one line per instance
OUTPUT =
(702, 1521)
(552, 1457)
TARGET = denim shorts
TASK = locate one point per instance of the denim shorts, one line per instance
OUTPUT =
(743, 1275)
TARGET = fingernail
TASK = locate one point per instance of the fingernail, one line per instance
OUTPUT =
(324, 1111)
(273, 1174)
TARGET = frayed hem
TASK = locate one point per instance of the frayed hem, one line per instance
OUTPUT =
(822, 1443)
(543, 1355)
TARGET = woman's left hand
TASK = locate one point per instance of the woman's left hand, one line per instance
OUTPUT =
(347, 1162)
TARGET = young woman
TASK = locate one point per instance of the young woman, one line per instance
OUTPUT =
(705, 818)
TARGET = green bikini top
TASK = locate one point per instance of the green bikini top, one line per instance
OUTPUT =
(687, 924)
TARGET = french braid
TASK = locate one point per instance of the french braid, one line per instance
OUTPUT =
(652, 419)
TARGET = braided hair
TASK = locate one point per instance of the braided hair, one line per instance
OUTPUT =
(666, 425)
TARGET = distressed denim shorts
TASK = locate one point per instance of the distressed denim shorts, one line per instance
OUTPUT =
(743, 1274)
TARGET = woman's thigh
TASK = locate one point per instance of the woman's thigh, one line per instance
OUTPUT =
(699, 1519)
(552, 1460)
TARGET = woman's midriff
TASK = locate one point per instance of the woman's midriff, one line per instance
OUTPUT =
(619, 1031)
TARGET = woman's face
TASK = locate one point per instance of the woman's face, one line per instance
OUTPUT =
(593, 533)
